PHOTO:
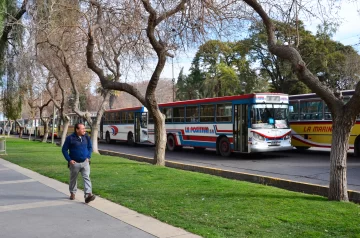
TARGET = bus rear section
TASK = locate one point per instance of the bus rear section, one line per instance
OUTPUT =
(311, 122)
(126, 124)
(244, 123)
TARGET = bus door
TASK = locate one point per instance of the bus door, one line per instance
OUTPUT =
(240, 129)
(140, 126)
(137, 127)
(101, 129)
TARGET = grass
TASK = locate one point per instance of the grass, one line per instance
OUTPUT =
(202, 204)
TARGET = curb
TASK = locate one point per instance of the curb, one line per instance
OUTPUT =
(307, 188)
(142, 222)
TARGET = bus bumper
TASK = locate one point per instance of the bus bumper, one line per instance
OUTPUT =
(267, 148)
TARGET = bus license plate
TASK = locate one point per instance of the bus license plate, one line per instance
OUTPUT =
(275, 142)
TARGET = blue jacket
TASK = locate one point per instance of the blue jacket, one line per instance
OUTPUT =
(80, 149)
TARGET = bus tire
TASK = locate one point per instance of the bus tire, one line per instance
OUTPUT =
(170, 143)
(130, 139)
(302, 147)
(107, 138)
(224, 147)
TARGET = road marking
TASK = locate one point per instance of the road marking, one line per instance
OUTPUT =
(18, 181)
(25, 206)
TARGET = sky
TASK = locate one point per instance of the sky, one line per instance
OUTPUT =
(348, 33)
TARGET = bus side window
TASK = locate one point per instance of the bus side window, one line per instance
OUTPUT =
(311, 108)
(168, 114)
(207, 113)
(223, 112)
(294, 116)
(130, 117)
(118, 118)
(123, 118)
(178, 114)
(192, 114)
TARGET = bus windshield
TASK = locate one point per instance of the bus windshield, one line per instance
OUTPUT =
(267, 116)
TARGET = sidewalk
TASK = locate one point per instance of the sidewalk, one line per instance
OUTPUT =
(32, 205)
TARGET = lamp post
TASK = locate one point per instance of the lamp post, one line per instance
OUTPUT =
(53, 124)
(173, 78)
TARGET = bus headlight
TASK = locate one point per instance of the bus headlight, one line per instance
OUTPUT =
(258, 137)
(287, 137)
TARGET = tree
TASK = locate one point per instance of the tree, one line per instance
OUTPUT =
(61, 50)
(63, 115)
(64, 57)
(154, 20)
(328, 59)
(220, 69)
(343, 115)
(13, 95)
(168, 26)
(12, 92)
(9, 16)
(45, 120)
(325, 57)
(277, 70)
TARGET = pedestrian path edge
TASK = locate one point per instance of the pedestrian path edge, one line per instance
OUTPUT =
(140, 221)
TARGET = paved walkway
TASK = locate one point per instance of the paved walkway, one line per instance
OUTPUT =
(32, 205)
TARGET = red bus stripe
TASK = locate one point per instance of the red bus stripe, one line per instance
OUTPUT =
(272, 137)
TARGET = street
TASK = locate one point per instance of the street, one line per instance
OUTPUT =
(311, 166)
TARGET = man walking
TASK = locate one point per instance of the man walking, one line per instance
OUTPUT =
(80, 148)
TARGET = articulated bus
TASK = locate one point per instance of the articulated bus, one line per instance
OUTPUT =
(126, 124)
(244, 123)
(311, 122)
(74, 119)
(31, 126)
(35, 126)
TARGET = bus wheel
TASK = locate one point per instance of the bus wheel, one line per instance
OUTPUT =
(224, 147)
(170, 143)
(107, 138)
(302, 147)
(199, 149)
(130, 139)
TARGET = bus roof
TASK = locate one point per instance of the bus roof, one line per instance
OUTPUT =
(139, 109)
(313, 95)
(217, 99)
(198, 101)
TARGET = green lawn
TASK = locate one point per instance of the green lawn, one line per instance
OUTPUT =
(203, 204)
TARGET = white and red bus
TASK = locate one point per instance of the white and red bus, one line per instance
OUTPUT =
(244, 123)
(125, 124)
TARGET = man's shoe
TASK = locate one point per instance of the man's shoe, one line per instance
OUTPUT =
(72, 196)
(90, 197)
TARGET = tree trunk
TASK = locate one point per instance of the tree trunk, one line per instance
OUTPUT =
(21, 132)
(10, 128)
(46, 131)
(64, 132)
(160, 136)
(340, 143)
(94, 138)
(5, 125)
